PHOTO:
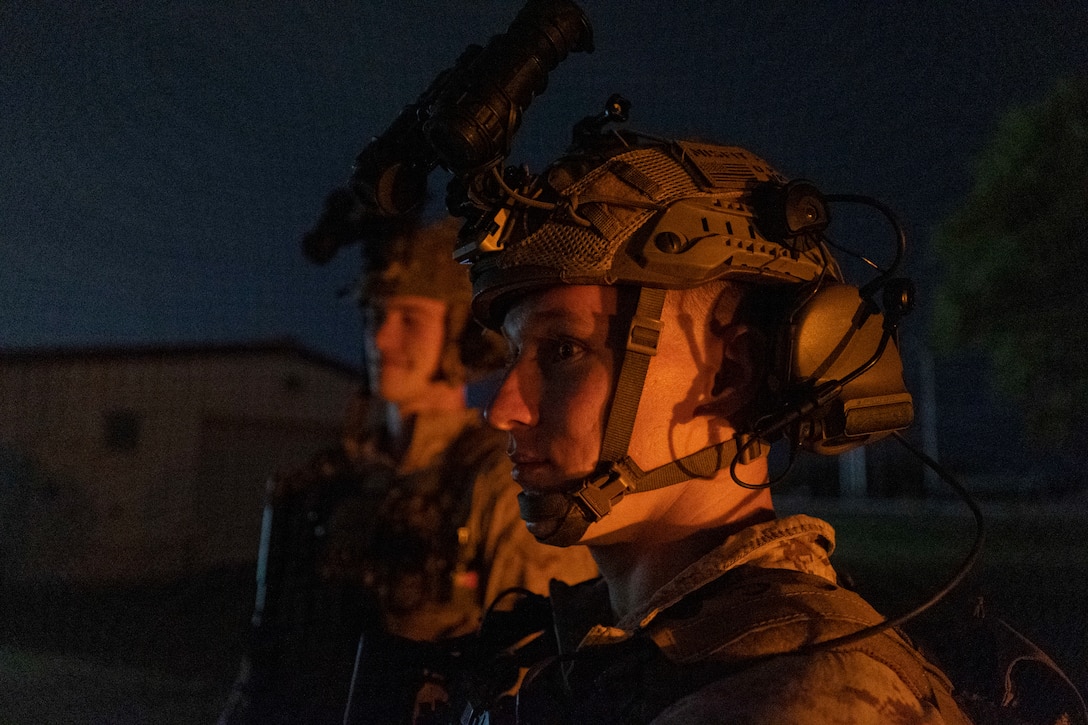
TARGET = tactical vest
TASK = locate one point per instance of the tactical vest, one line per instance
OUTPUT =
(344, 549)
(404, 537)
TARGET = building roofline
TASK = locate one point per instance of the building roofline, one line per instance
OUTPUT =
(280, 345)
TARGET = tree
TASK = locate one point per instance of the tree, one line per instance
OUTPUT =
(1014, 262)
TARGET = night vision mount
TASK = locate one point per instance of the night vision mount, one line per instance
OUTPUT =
(464, 122)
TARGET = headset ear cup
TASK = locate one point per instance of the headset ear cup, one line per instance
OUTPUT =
(832, 336)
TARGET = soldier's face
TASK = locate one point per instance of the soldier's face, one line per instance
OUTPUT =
(553, 399)
(565, 345)
(405, 335)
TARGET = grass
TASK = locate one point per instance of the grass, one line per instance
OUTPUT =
(163, 655)
(50, 687)
(1033, 573)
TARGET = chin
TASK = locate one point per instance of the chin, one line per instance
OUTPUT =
(540, 478)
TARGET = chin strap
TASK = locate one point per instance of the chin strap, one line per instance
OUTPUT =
(642, 337)
(572, 511)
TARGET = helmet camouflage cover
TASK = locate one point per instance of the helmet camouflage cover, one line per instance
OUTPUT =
(665, 215)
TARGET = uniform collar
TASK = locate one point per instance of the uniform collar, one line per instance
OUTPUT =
(430, 434)
(802, 543)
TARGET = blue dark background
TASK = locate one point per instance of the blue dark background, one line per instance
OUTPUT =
(160, 161)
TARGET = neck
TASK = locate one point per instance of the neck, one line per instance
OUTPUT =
(439, 398)
(698, 521)
(634, 573)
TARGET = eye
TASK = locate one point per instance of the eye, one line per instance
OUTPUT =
(560, 351)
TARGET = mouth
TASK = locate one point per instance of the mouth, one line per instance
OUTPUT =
(529, 472)
(529, 467)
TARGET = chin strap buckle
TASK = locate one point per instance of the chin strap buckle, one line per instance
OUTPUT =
(600, 493)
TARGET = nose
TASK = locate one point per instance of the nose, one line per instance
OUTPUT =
(384, 334)
(514, 404)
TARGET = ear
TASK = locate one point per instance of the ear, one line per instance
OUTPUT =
(740, 373)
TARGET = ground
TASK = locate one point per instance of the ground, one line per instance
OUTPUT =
(167, 655)
(162, 655)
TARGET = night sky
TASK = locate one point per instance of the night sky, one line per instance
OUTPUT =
(161, 160)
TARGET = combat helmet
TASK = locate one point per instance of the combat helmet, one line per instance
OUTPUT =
(413, 258)
(656, 214)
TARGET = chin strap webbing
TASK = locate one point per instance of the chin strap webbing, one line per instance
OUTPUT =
(597, 495)
(642, 338)
(617, 474)
(701, 464)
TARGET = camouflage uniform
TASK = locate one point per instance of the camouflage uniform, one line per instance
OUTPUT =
(423, 517)
(407, 549)
(701, 649)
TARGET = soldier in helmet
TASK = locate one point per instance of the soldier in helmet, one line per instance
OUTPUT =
(409, 531)
(670, 308)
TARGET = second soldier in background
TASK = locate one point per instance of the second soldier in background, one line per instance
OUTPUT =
(405, 533)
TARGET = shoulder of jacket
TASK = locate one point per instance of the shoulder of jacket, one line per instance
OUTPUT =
(755, 611)
(752, 614)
